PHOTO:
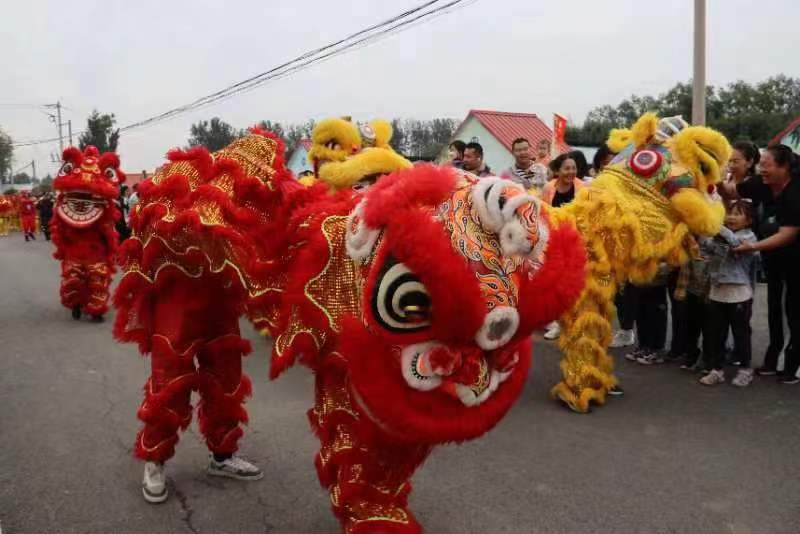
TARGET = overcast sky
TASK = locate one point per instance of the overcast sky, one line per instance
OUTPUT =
(137, 59)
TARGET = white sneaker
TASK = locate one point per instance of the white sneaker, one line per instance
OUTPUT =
(234, 467)
(714, 377)
(553, 331)
(743, 378)
(154, 483)
(623, 338)
(650, 358)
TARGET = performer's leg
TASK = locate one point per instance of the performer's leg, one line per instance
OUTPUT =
(73, 286)
(223, 390)
(366, 472)
(167, 403)
(99, 279)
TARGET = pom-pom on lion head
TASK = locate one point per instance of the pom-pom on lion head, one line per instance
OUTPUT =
(345, 154)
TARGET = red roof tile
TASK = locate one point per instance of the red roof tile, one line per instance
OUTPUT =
(507, 126)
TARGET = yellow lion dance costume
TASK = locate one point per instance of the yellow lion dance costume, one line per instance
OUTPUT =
(344, 154)
(643, 209)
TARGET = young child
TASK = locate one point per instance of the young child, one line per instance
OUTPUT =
(731, 295)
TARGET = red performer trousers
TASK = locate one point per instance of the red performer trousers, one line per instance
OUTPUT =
(195, 346)
(85, 286)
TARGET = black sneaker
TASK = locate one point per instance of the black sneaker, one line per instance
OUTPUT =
(97, 318)
(789, 380)
(76, 312)
(766, 371)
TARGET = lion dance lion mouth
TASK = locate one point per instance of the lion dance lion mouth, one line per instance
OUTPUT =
(81, 209)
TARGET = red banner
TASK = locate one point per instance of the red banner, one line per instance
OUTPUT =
(559, 128)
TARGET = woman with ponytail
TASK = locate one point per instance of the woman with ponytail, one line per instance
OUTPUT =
(780, 170)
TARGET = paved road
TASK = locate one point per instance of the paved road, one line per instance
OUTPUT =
(670, 457)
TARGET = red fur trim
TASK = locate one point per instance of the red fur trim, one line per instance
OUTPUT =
(414, 416)
(425, 185)
(557, 285)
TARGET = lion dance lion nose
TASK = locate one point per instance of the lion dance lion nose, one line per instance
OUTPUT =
(498, 328)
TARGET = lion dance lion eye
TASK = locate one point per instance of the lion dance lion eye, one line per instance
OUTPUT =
(400, 302)
(65, 169)
(111, 174)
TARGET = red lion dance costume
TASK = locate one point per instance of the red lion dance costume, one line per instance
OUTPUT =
(413, 301)
(83, 228)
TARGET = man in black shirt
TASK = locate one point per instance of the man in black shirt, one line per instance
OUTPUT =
(780, 169)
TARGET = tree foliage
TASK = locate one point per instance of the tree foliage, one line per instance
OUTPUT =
(21, 178)
(100, 132)
(214, 134)
(6, 155)
(740, 110)
(416, 139)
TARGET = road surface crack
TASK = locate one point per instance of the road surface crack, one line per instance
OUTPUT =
(187, 510)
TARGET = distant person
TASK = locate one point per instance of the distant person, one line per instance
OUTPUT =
(456, 153)
(602, 158)
(566, 184)
(780, 170)
(133, 199)
(122, 205)
(473, 160)
(543, 152)
(525, 171)
(27, 216)
(45, 206)
(581, 166)
(558, 192)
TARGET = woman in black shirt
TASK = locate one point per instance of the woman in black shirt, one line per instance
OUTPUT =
(780, 169)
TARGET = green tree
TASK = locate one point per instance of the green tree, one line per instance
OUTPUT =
(100, 132)
(740, 110)
(6, 155)
(215, 134)
(21, 178)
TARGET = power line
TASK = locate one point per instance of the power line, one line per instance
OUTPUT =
(394, 24)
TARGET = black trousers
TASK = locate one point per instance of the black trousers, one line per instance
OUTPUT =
(678, 315)
(651, 316)
(625, 301)
(792, 352)
(776, 304)
(697, 325)
(45, 224)
(736, 317)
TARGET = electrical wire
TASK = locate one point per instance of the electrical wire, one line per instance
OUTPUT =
(396, 24)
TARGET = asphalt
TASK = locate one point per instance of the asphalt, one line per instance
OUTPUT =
(671, 456)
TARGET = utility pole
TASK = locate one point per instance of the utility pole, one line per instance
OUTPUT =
(33, 170)
(69, 128)
(60, 130)
(57, 119)
(699, 82)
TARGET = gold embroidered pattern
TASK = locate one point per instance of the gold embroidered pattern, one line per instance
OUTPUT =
(335, 290)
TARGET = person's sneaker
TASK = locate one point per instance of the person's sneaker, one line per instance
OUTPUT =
(789, 380)
(234, 467)
(766, 371)
(634, 354)
(714, 377)
(622, 338)
(154, 483)
(76, 312)
(97, 318)
(743, 378)
(650, 358)
(553, 331)
(616, 391)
